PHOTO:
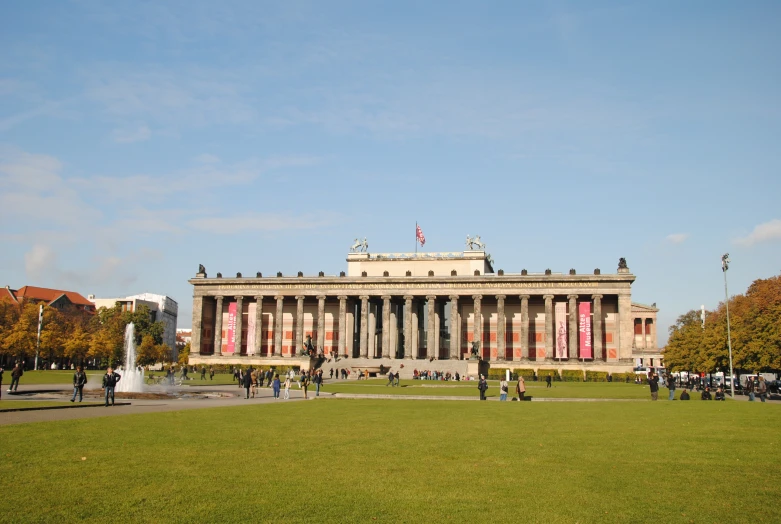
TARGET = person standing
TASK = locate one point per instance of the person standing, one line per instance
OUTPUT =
(653, 383)
(391, 378)
(503, 390)
(276, 386)
(548, 380)
(749, 388)
(79, 380)
(203, 373)
(520, 388)
(482, 386)
(305, 383)
(287, 387)
(211, 372)
(16, 374)
(671, 386)
(332, 372)
(398, 378)
(110, 380)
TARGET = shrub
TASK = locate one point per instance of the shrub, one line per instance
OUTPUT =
(572, 375)
(542, 373)
(624, 377)
(596, 376)
(526, 373)
(497, 373)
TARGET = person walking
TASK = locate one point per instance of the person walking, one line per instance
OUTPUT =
(318, 380)
(548, 380)
(398, 378)
(671, 386)
(110, 380)
(482, 386)
(203, 373)
(16, 374)
(520, 388)
(749, 388)
(79, 380)
(305, 384)
(246, 382)
(391, 377)
(503, 390)
(287, 387)
(211, 372)
(332, 372)
(276, 386)
(653, 382)
(762, 389)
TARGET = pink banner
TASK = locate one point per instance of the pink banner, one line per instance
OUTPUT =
(251, 311)
(230, 345)
(560, 314)
(584, 323)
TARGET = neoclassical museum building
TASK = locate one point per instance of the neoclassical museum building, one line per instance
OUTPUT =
(438, 311)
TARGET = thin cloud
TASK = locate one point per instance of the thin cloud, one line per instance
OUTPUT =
(259, 222)
(128, 136)
(677, 238)
(766, 232)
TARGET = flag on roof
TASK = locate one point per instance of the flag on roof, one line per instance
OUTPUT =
(419, 235)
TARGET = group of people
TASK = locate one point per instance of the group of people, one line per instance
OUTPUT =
(251, 379)
(756, 388)
(520, 388)
(434, 375)
(669, 380)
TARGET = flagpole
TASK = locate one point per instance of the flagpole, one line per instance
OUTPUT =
(416, 237)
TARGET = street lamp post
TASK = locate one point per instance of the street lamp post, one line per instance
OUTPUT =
(724, 268)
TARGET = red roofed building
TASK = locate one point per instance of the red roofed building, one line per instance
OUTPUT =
(57, 298)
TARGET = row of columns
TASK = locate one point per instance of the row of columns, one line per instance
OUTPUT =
(410, 320)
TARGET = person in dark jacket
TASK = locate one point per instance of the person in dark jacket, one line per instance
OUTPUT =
(246, 381)
(705, 395)
(482, 386)
(110, 380)
(653, 383)
(720, 393)
(16, 374)
(277, 386)
(79, 380)
(685, 394)
(548, 380)
(318, 380)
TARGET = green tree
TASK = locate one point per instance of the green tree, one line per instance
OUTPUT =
(184, 354)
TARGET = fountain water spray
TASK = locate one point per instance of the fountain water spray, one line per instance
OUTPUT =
(132, 377)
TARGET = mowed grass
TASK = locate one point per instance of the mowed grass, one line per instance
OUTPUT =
(29, 404)
(390, 461)
(469, 389)
(52, 377)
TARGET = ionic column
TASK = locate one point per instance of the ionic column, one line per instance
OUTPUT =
(386, 326)
(408, 327)
(549, 336)
(278, 326)
(321, 323)
(477, 328)
(431, 341)
(364, 347)
(393, 330)
(524, 326)
(258, 325)
(455, 334)
(195, 337)
(596, 328)
(299, 342)
(573, 327)
(218, 327)
(342, 349)
(500, 328)
(415, 332)
(238, 327)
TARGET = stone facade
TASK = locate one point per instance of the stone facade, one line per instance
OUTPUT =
(391, 309)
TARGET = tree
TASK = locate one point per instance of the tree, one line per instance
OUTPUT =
(149, 352)
(184, 354)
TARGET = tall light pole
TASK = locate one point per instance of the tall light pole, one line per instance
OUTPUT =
(724, 268)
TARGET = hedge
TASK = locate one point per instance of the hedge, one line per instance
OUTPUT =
(572, 375)
(526, 373)
(542, 373)
(596, 376)
(497, 373)
(623, 377)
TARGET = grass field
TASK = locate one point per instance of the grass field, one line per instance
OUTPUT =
(27, 404)
(383, 461)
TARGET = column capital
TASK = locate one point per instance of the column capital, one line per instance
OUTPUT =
(239, 298)
(299, 297)
(320, 297)
(573, 296)
(219, 297)
(259, 298)
(386, 297)
(597, 297)
(342, 297)
(453, 297)
(364, 297)
(501, 297)
(548, 297)
(408, 297)
(279, 297)
(477, 297)
(524, 297)
(431, 297)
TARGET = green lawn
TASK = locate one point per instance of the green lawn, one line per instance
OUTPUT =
(422, 461)
(469, 389)
(52, 377)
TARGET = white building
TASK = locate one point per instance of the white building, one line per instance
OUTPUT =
(164, 309)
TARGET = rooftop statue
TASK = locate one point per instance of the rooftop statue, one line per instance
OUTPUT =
(201, 269)
(359, 246)
(622, 263)
(474, 243)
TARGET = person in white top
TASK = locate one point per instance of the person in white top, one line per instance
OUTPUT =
(287, 388)
(503, 390)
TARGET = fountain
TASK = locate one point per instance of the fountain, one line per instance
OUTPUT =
(132, 376)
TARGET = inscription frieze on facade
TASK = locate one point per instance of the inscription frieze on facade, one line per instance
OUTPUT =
(402, 286)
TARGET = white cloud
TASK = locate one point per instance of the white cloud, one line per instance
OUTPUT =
(227, 225)
(127, 136)
(39, 261)
(677, 238)
(766, 232)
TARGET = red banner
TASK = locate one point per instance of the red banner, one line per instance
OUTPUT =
(230, 345)
(584, 323)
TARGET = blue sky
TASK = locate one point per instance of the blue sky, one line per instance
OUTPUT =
(139, 139)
